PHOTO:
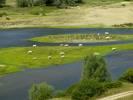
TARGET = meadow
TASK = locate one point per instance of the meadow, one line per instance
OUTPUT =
(20, 58)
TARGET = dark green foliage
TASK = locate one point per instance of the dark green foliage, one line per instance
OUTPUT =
(58, 3)
(2, 3)
(59, 94)
(95, 68)
(128, 75)
(41, 91)
(87, 89)
(22, 3)
(114, 84)
(69, 91)
(29, 3)
(38, 3)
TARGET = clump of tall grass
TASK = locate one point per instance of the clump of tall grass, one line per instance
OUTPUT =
(3, 14)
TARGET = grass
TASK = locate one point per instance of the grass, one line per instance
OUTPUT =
(54, 17)
(102, 2)
(125, 87)
(82, 38)
(18, 59)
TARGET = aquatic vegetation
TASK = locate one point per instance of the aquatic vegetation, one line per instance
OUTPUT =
(73, 38)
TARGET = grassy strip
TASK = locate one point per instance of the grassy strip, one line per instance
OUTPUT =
(125, 87)
(82, 38)
(57, 26)
(17, 59)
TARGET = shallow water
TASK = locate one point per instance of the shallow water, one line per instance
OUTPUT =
(18, 37)
(118, 62)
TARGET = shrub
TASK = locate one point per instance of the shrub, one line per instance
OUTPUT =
(95, 68)
(41, 91)
(3, 14)
(114, 84)
(87, 89)
(22, 3)
(60, 94)
(2, 3)
(69, 91)
(128, 75)
(30, 3)
(38, 2)
(38, 11)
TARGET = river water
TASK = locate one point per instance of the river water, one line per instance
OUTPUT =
(15, 86)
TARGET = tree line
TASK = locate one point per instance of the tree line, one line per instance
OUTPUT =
(31, 3)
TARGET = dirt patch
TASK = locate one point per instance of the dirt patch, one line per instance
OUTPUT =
(105, 15)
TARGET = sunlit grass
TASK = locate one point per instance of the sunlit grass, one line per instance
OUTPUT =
(16, 59)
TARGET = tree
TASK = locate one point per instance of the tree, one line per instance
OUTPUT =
(95, 68)
(22, 3)
(128, 75)
(30, 3)
(41, 91)
(87, 89)
(2, 3)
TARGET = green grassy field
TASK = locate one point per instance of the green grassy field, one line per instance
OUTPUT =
(71, 38)
(19, 58)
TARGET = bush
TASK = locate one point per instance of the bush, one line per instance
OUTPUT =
(2, 3)
(62, 3)
(87, 89)
(38, 11)
(3, 14)
(22, 3)
(41, 91)
(58, 3)
(69, 91)
(114, 84)
(128, 75)
(39, 2)
(59, 94)
(30, 3)
(95, 68)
